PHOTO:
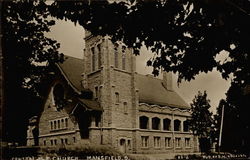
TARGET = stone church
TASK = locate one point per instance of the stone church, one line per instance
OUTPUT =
(102, 100)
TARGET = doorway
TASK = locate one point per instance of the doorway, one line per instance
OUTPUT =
(122, 145)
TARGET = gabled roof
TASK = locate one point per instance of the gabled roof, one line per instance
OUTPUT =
(72, 69)
(152, 91)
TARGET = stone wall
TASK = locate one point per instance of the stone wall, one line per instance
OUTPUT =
(185, 137)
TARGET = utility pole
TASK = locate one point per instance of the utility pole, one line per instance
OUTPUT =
(221, 127)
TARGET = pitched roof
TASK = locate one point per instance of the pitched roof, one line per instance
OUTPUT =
(152, 91)
(72, 69)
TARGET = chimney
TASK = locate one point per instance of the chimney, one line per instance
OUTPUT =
(167, 80)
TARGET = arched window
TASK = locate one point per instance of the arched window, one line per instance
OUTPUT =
(66, 123)
(116, 55)
(185, 126)
(123, 61)
(156, 123)
(58, 124)
(117, 97)
(58, 96)
(177, 125)
(62, 122)
(99, 56)
(143, 122)
(51, 125)
(55, 125)
(93, 58)
(166, 124)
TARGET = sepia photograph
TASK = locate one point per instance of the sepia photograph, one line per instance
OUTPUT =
(125, 79)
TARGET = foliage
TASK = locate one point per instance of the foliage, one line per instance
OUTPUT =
(236, 123)
(186, 35)
(201, 120)
(28, 56)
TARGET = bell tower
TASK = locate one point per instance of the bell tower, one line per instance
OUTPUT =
(110, 71)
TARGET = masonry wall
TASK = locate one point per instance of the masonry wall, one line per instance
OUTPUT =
(111, 79)
(115, 89)
(152, 111)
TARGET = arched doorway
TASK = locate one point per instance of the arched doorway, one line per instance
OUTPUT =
(122, 145)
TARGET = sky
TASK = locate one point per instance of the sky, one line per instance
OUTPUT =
(71, 36)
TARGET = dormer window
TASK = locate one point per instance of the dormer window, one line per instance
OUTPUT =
(58, 96)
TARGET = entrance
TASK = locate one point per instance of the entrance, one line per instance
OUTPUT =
(122, 145)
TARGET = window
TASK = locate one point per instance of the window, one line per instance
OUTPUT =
(99, 56)
(185, 126)
(44, 142)
(117, 98)
(143, 122)
(97, 120)
(178, 142)
(51, 142)
(125, 107)
(66, 141)
(122, 142)
(58, 124)
(123, 49)
(66, 122)
(55, 125)
(177, 125)
(144, 141)
(156, 123)
(74, 139)
(116, 55)
(55, 141)
(62, 121)
(129, 144)
(58, 96)
(167, 124)
(51, 125)
(187, 142)
(167, 142)
(123, 61)
(62, 141)
(157, 142)
(93, 58)
(96, 92)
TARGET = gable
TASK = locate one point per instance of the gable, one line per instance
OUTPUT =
(72, 69)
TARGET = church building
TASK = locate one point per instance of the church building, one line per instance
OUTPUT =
(101, 100)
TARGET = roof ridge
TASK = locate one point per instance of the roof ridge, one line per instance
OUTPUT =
(149, 76)
(67, 56)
